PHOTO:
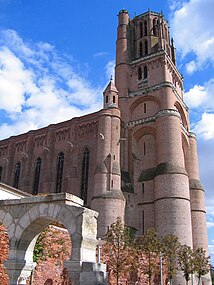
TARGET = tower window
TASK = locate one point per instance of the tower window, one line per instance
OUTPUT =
(85, 170)
(37, 176)
(145, 28)
(143, 188)
(17, 175)
(146, 47)
(112, 183)
(141, 30)
(139, 73)
(154, 27)
(140, 50)
(144, 148)
(143, 223)
(114, 99)
(60, 163)
(145, 72)
(106, 99)
(144, 107)
(0, 173)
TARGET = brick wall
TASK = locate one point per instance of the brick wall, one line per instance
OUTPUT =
(3, 255)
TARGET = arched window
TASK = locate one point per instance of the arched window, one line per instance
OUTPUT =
(84, 182)
(140, 50)
(114, 100)
(60, 163)
(146, 47)
(141, 30)
(139, 73)
(145, 29)
(154, 27)
(17, 175)
(0, 172)
(37, 176)
(145, 72)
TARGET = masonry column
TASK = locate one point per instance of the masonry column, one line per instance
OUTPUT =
(108, 199)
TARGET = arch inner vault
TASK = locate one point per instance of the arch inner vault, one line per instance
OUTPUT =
(25, 218)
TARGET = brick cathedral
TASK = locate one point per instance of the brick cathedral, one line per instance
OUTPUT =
(136, 158)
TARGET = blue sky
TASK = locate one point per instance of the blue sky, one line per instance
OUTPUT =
(56, 57)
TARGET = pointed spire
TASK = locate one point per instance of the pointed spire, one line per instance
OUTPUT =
(110, 95)
(111, 87)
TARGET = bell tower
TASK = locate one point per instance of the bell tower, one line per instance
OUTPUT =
(159, 156)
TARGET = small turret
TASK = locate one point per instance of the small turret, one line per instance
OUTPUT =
(110, 96)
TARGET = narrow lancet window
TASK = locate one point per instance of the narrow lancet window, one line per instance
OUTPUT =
(37, 176)
(146, 47)
(17, 175)
(140, 50)
(145, 28)
(85, 170)
(60, 163)
(139, 73)
(141, 30)
(0, 173)
(145, 72)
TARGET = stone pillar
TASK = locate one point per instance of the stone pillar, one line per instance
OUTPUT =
(87, 273)
(18, 271)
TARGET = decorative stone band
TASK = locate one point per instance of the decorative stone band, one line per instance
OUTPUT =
(147, 90)
(195, 184)
(166, 112)
(162, 168)
(114, 194)
(192, 135)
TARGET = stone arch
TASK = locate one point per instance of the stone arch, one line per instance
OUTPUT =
(26, 218)
(183, 116)
(139, 111)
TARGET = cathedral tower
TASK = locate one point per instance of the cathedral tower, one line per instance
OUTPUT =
(159, 156)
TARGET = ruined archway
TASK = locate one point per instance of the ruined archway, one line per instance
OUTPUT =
(26, 218)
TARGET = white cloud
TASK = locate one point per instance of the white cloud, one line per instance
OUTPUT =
(110, 69)
(205, 126)
(39, 87)
(201, 99)
(191, 24)
(210, 225)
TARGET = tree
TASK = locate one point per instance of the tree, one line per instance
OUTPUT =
(201, 263)
(185, 260)
(118, 253)
(170, 246)
(149, 248)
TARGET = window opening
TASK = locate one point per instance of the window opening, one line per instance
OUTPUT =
(37, 176)
(85, 170)
(144, 107)
(113, 99)
(143, 188)
(145, 72)
(60, 163)
(1, 172)
(146, 47)
(145, 28)
(143, 224)
(139, 73)
(17, 175)
(154, 27)
(106, 99)
(140, 49)
(141, 29)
